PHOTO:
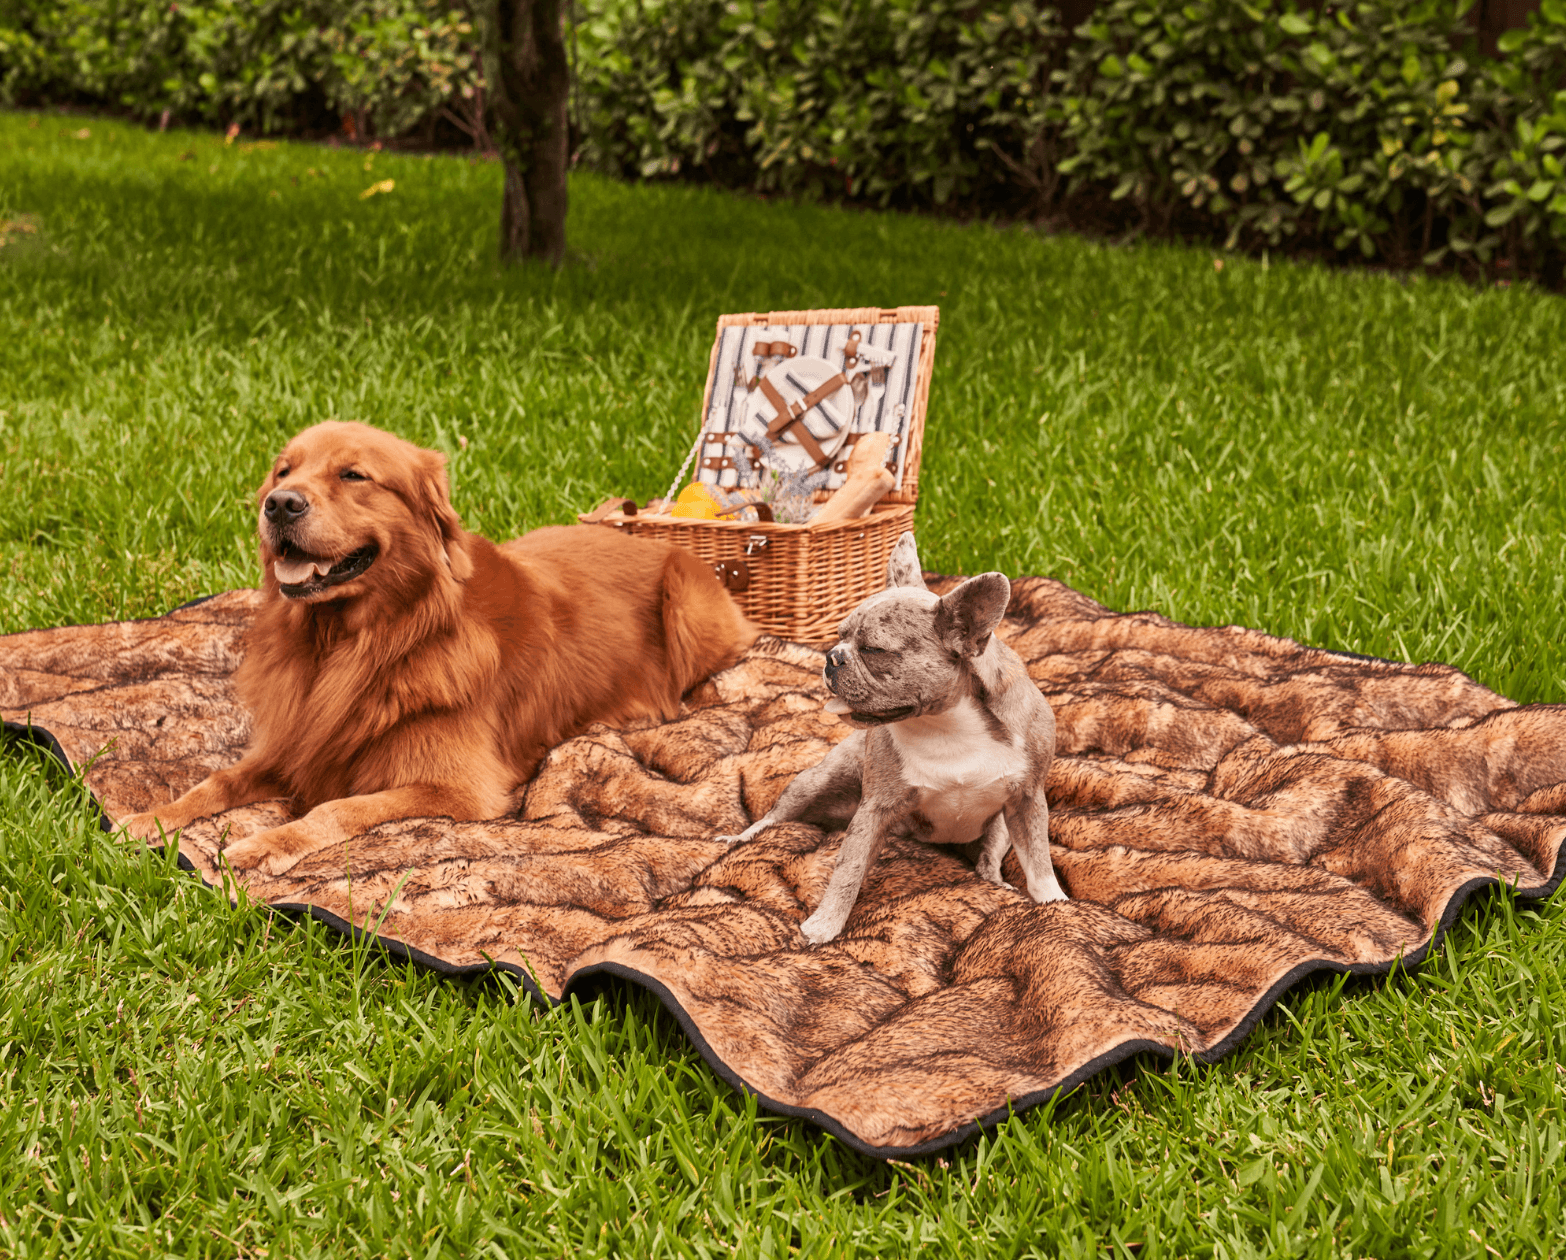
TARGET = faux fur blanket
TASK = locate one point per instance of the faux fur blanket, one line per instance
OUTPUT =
(1230, 812)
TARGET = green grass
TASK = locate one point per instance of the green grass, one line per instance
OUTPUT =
(1346, 458)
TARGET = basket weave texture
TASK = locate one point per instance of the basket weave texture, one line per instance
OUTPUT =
(803, 579)
(799, 581)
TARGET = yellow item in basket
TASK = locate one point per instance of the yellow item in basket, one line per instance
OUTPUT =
(696, 501)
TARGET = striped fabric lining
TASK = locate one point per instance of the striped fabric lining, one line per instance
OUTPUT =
(732, 410)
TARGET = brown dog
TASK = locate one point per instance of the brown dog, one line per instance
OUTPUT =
(401, 666)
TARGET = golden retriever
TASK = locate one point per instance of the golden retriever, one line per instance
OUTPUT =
(400, 666)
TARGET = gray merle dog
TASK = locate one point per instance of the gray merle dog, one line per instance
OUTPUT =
(954, 740)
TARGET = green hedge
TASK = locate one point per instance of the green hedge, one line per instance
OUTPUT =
(270, 65)
(1373, 128)
(906, 101)
(1370, 128)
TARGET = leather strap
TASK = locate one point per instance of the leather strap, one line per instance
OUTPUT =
(824, 390)
(769, 391)
(787, 420)
(794, 410)
(782, 349)
(851, 351)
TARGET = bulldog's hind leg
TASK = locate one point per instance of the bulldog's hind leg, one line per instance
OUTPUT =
(1027, 819)
(835, 780)
(997, 839)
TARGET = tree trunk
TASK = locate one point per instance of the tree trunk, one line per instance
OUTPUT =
(529, 81)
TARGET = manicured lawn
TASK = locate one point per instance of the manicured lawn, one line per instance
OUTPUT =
(1349, 459)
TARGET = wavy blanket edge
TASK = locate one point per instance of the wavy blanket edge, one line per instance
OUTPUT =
(581, 979)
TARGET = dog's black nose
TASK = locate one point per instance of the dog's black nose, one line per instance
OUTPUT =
(282, 507)
(836, 659)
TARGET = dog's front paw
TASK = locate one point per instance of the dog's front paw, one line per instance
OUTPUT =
(1046, 890)
(145, 827)
(820, 928)
(267, 852)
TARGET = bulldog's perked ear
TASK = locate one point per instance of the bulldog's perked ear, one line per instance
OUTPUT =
(967, 617)
(902, 567)
(437, 500)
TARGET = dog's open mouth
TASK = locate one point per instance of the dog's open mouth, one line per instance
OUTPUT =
(837, 705)
(299, 574)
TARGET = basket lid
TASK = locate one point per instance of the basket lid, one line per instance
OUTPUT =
(795, 390)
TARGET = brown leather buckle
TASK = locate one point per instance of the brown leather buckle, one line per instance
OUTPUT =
(851, 351)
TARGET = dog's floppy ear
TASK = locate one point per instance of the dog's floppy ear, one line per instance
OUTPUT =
(967, 617)
(902, 567)
(436, 499)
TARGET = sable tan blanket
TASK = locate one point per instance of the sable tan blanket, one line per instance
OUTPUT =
(1231, 811)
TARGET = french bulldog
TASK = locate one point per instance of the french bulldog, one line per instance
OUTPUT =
(953, 740)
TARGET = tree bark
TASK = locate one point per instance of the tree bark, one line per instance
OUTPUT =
(529, 80)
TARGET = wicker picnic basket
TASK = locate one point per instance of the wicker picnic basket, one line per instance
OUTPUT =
(799, 581)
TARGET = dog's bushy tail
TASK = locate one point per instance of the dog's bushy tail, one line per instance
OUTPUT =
(703, 629)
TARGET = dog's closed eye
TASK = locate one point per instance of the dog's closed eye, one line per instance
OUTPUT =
(867, 650)
(352, 474)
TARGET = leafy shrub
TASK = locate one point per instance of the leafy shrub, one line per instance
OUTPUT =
(1353, 125)
(909, 101)
(1528, 192)
(1361, 127)
(1366, 127)
(398, 61)
(1342, 126)
(276, 65)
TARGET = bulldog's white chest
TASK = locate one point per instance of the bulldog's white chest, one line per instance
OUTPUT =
(962, 773)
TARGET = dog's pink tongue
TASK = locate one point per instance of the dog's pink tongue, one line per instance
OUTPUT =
(838, 705)
(293, 572)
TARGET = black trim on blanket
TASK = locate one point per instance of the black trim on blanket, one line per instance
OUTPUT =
(189, 603)
(1361, 656)
(39, 737)
(1118, 1054)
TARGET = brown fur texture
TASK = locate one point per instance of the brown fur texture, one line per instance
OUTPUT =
(1229, 811)
(435, 680)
